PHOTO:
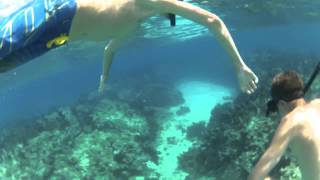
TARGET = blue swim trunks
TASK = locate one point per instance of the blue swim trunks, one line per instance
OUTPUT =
(33, 29)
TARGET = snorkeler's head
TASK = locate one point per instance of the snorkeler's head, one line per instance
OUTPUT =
(286, 86)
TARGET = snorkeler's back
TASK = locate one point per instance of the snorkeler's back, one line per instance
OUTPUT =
(305, 144)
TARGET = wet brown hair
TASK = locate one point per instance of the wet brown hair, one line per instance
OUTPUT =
(287, 86)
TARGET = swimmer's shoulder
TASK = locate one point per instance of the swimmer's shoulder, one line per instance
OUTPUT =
(315, 102)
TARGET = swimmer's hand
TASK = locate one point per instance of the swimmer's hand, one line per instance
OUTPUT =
(247, 80)
(102, 85)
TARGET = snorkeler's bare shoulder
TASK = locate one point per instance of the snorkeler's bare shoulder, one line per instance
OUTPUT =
(305, 120)
(316, 103)
(100, 20)
(307, 138)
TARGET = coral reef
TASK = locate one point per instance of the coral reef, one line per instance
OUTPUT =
(154, 94)
(238, 131)
(196, 130)
(67, 147)
(99, 137)
(183, 110)
(114, 136)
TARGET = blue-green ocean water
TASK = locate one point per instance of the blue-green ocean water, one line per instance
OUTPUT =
(185, 53)
(42, 84)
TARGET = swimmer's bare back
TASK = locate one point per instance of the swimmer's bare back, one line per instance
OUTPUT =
(100, 20)
(300, 130)
(116, 20)
(305, 145)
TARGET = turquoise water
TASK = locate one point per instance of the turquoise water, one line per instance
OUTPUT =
(56, 126)
(203, 62)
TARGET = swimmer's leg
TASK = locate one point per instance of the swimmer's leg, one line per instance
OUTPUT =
(109, 53)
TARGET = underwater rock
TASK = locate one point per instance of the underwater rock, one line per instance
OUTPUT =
(172, 140)
(114, 115)
(161, 95)
(96, 139)
(113, 138)
(196, 130)
(182, 111)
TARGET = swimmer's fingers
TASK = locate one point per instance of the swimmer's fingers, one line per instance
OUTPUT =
(253, 86)
(255, 79)
(250, 87)
(248, 80)
(250, 90)
(247, 89)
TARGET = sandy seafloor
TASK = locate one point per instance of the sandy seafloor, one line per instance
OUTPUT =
(200, 97)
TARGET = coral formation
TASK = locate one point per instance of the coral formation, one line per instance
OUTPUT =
(99, 137)
(183, 110)
(115, 137)
(68, 146)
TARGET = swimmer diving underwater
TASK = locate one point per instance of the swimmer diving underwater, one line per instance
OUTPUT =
(41, 25)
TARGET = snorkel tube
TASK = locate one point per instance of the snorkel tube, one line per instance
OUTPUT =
(172, 18)
(272, 104)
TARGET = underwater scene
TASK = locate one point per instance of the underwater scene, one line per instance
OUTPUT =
(172, 108)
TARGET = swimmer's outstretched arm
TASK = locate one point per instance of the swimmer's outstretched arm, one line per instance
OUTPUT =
(109, 52)
(246, 77)
(275, 151)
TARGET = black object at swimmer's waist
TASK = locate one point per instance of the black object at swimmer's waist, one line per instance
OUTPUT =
(172, 18)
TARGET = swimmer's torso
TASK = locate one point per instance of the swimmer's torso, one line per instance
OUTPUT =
(100, 20)
(306, 144)
(42, 25)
